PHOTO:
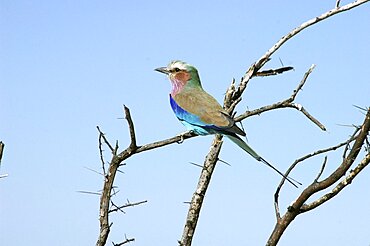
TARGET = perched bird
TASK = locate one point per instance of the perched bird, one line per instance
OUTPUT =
(200, 112)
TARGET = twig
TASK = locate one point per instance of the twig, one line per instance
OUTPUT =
(128, 204)
(357, 129)
(2, 145)
(303, 81)
(131, 127)
(321, 170)
(127, 240)
(102, 135)
(271, 72)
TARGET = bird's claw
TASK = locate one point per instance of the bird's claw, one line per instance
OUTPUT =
(182, 135)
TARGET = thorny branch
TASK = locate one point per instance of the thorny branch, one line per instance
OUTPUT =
(266, 57)
(287, 103)
(304, 158)
(299, 206)
(232, 98)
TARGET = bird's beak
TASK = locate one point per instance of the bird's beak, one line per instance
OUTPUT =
(162, 70)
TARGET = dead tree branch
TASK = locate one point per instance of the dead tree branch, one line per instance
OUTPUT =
(299, 206)
(287, 103)
(266, 57)
(116, 161)
(128, 204)
(300, 160)
(199, 194)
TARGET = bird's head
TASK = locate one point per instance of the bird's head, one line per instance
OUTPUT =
(181, 74)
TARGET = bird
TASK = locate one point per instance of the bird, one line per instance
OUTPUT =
(200, 112)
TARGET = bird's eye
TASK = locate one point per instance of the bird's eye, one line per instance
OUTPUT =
(177, 69)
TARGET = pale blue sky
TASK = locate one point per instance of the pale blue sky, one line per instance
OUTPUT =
(68, 66)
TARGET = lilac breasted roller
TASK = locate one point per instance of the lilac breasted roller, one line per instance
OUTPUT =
(200, 112)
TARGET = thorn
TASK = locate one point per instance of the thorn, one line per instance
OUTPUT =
(195, 164)
(89, 192)
(223, 162)
(281, 62)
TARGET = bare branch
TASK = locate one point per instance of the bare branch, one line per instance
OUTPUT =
(340, 186)
(158, 144)
(127, 240)
(298, 206)
(321, 170)
(271, 72)
(102, 136)
(198, 196)
(128, 204)
(287, 103)
(296, 162)
(303, 81)
(265, 58)
(131, 127)
(313, 119)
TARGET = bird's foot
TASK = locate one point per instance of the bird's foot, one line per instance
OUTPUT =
(181, 135)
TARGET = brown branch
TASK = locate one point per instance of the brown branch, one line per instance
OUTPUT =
(200, 192)
(128, 204)
(321, 170)
(287, 103)
(131, 128)
(109, 180)
(162, 143)
(116, 162)
(296, 162)
(127, 240)
(271, 72)
(102, 137)
(298, 206)
(339, 187)
(266, 57)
